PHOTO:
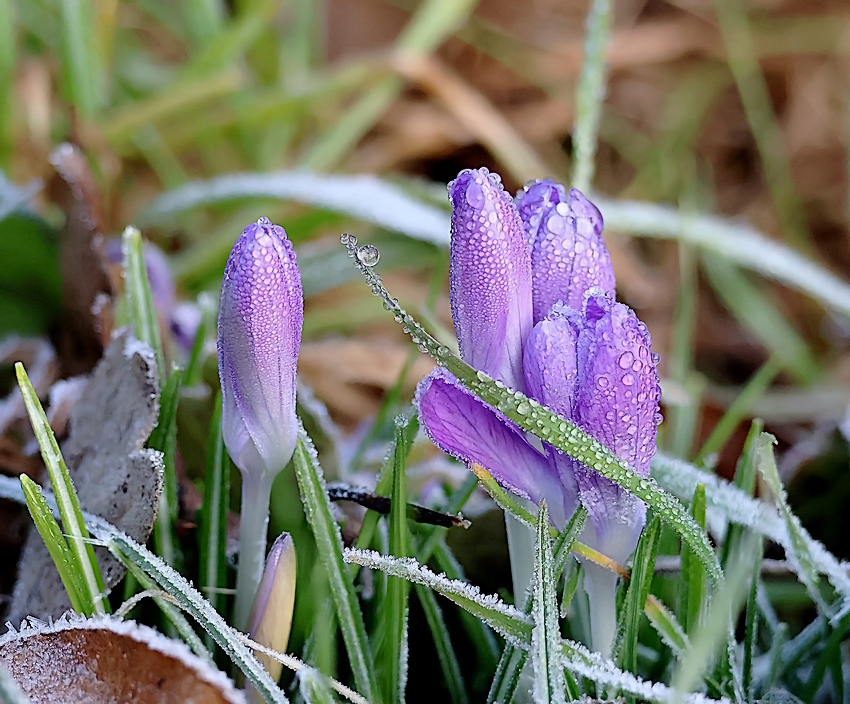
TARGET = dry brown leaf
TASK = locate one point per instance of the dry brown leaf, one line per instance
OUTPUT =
(107, 661)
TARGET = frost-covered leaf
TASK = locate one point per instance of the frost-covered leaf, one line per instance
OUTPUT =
(113, 475)
(725, 502)
(363, 196)
(546, 634)
(105, 660)
(505, 619)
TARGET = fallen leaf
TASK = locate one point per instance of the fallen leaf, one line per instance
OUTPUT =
(105, 660)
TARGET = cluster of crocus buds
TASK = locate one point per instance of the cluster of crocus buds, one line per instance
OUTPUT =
(532, 294)
(261, 313)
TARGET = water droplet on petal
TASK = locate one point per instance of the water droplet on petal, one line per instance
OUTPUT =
(628, 379)
(626, 360)
(263, 221)
(656, 358)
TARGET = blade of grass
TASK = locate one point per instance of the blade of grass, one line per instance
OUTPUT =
(83, 76)
(432, 23)
(745, 480)
(591, 93)
(213, 518)
(138, 287)
(395, 607)
(66, 497)
(8, 51)
(751, 631)
(692, 584)
(443, 643)
(329, 540)
(636, 596)
(204, 19)
(60, 553)
(770, 141)
(164, 438)
(760, 315)
(546, 633)
(738, 409)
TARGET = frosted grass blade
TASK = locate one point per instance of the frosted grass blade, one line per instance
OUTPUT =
(546, 633)
(636, 596)
(138, 288)
(443, 643)
(692, 584)
(329, 541)
(51, 534)
(66, 497)
(395, 607)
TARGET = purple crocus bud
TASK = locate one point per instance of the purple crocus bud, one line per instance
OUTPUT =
(597, 368)
(259, 335)
(271, 615)
(568, 254)
(490, 276)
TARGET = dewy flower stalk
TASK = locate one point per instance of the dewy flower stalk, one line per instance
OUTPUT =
(260, 317)
(533, 305)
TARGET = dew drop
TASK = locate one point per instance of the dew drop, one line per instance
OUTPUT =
(368, 255)
(628, 379)
(347, 239)
(656, 358)
(264, 221)
(482, 376)
(523, 408)
(626, 360)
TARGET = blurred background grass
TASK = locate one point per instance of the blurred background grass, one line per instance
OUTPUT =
(737, 108)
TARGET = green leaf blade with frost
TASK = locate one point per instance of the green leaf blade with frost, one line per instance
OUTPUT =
(546, 633)
(314, 496)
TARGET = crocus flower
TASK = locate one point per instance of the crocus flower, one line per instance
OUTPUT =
(271, 615)
(587, 357)
(259, 335)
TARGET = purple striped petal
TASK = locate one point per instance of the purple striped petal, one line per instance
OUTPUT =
(259, 335)
(490, 276)
(568, 254)
(617, 403)
(463, 426)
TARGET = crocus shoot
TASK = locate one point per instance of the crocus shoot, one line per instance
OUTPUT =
(533, 305)
(260, 317)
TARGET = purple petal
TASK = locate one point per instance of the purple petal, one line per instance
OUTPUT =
(568, 254)
(259, 335)
(463, 426)
(490, 276)
(616, 403)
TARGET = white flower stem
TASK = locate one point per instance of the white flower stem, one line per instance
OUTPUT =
(253, 527)
(601, 587)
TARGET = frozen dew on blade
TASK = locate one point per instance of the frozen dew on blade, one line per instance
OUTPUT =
(368, 255)
(261, 313)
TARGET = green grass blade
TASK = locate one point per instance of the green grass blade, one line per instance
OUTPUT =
(751, 631)
(546, 634)
(329, 541)
(204, 18)
(757, 312)
(314, 688)
(638, 591)
(138, 288)
(692, 585)
(164, 438)
(506, 679)
(51, 534)
(66, 497)
(395, 607)
(443, 643)
(666, 625)
(83, 76)
(8, 51)
(591, 93)
(213, 519)
(532, 417)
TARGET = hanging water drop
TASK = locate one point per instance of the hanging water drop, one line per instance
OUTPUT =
(368, 255)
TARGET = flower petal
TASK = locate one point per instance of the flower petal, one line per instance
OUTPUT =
(463, 426)
(617, 403)
(490, 276)
(568, 254)
(259, 335)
